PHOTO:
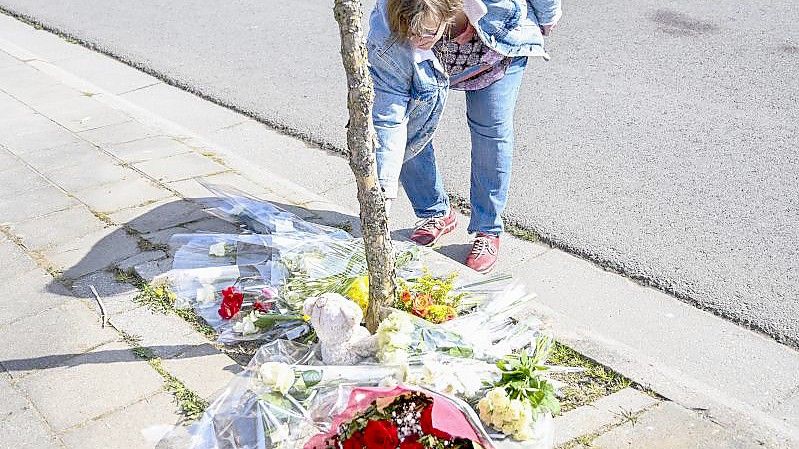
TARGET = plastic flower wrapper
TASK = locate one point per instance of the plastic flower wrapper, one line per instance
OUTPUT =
(404, 338)
(238, 303)
(259, 216)
(279, 400)
(403, 416)
(456, 376)
(502, 324)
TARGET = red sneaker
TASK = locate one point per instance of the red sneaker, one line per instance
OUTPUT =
(431, 229)
(483, 255)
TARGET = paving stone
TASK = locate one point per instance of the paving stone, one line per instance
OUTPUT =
(36, 203)
(79, 153)
(7, 60)
(106, 72)
(21, 426)
(165, 334)
(603, 412)
(117, 297)
(11, 106)
(82, 113)
(118, 133)
(27, 297)
(51, 338)
(7, 159)
(670, 426)
(137, 259)
(137, 426)
(203, 369)
(180, 166)
(45, 45)
(56, 228)
(23, 121)
(150, 148)
(109, 377)
(33, 87)
(165, 215)
(788, 409)
(122, 194)
(15, 261)
(150, 271)
(124, 216)
(182, 107)
(96, 251)
(314, 169)
(19, 180)
(102, 169)
(47, 135)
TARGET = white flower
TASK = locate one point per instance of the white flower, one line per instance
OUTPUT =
(277, 376)
(206, 294)
(217, 249)
(511, 416)
(246, 326)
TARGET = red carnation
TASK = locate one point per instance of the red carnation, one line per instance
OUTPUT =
(380, 435)
(426, 422)
(354, 442)
(232, 299)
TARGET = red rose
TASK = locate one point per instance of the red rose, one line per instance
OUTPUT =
(411, 444)
(426, 422)
(232, 299)
(354, 442)
(380, 435)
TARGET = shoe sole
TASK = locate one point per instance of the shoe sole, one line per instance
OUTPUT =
(485, 270)
(446, 230)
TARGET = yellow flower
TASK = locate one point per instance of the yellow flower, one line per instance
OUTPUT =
(358, 292)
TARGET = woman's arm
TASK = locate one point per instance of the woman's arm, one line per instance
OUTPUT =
(547, 12)
(389, 115)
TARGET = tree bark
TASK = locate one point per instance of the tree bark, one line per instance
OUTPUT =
(361, 146)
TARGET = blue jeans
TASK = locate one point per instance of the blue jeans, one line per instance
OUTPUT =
(489, 112)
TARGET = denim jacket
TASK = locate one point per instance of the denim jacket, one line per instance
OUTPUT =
(410, 91)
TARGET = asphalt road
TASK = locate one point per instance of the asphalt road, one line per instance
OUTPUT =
(661, 140)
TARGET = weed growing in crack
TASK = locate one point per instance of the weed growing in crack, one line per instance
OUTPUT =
(586, 387)
(192, 405)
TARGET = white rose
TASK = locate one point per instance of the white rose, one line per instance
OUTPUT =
(498, 397)
(217, 249)
(484, 407)
(206, 294)
(277, 376)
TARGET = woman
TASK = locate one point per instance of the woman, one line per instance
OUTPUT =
(418, 49)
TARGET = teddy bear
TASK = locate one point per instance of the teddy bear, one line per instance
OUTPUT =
(337, 322)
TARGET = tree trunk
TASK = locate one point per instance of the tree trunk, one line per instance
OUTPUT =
(361, 145)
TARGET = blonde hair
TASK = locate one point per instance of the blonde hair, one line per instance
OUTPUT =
(406, 18)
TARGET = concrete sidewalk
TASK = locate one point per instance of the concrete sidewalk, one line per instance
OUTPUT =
(99, 166)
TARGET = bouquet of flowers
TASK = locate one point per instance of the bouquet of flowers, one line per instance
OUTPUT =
(401, 417)
(522, 401)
